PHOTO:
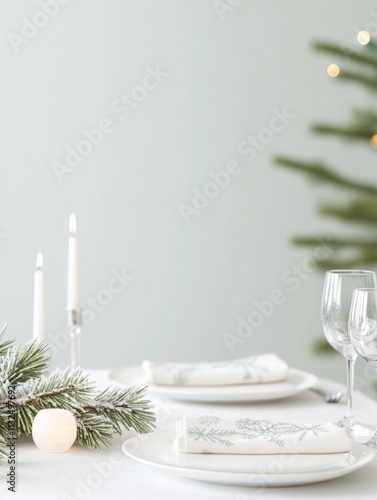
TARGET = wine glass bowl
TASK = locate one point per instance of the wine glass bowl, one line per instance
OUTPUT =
(336, 302)
(363, 324)
(363, 330)
(335, 311)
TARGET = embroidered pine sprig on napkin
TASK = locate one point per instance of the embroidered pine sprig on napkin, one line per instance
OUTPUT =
(213, 434)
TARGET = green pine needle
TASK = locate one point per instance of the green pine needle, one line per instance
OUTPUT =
(22, 362)
(365, 118)
(351, 55)
(319, 172)
(93, 430)
(125, 408)
(4, 346)
(354, 76)
(353, 212)
(350, 132)
(3, 433)
(336, 243)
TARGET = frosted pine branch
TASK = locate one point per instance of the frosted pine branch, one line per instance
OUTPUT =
(99, 415)
(3, 433)
(125, 408)
(4, 346)
(93, 430)
(22, 362)
(68, 390)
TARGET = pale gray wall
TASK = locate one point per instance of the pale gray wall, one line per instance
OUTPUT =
(225, 78)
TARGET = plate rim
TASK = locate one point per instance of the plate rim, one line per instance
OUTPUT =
(244, 478)
(206, 393)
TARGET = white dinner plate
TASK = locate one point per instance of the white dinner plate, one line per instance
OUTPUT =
(296, 382)
(156, 449)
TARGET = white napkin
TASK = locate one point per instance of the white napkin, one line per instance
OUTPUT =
(252, 370)
(211, 434)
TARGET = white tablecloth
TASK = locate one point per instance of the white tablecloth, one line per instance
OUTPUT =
(82, 474)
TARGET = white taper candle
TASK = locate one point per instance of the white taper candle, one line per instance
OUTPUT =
(73, 293)
(39, 316)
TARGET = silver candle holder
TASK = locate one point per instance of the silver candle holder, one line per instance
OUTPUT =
(74, 333)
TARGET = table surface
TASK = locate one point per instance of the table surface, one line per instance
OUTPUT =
(86, 474)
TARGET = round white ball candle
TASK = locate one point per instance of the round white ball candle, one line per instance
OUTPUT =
(54, 430)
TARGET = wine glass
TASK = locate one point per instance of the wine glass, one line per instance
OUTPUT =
(336, 303)
(363, 326)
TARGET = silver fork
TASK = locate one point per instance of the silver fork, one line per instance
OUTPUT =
(329, 397)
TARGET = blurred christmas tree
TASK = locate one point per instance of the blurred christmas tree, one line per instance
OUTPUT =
(360, 205)
(360, 198)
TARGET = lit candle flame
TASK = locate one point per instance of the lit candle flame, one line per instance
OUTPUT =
(39, 262)
(72, 224)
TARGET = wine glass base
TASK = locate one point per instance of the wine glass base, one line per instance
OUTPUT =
(360, 432)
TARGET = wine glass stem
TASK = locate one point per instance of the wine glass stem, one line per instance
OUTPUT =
(348, 417)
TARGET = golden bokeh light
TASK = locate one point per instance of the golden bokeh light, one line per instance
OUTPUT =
(333, 70)
(373, 141)
(363, 37)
